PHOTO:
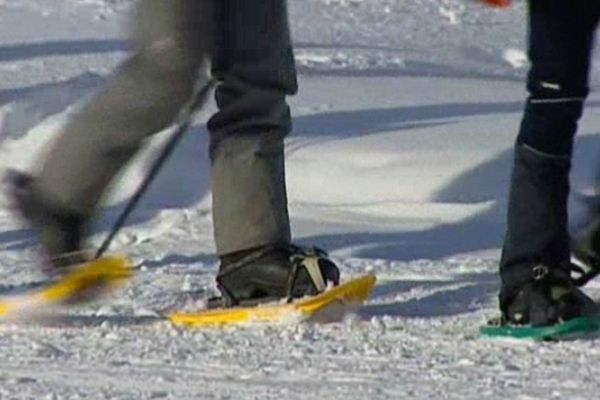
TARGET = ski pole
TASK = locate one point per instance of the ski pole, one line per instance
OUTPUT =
(182, 123)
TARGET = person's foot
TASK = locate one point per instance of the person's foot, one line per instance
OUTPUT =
(60, 232)
(273, 273)
(550, 298)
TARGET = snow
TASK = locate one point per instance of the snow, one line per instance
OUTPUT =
(515, 57)
(398, 165)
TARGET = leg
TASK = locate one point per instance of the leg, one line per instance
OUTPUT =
(142, 98)
(255, 66)
(561, 38)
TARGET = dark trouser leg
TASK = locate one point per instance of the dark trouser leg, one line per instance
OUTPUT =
(254, 63)
(142, 98)
(561, 37)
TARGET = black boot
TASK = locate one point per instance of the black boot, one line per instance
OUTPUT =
(535, 267)
(549, 299)
(273, 273)
(61, 232)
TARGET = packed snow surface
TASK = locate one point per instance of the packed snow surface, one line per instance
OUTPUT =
(398, 165)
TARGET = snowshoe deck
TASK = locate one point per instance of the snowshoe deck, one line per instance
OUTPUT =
(330, 305)
(83, 283)
(577, 328)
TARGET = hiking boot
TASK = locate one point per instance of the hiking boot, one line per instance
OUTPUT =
(60, 232)
(550, 298)
(270, 274)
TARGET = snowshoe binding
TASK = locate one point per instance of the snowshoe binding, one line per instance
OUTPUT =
(550, 307)
(271, 274)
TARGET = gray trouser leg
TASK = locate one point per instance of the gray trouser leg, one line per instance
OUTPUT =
(142, 98)
(255, 65)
